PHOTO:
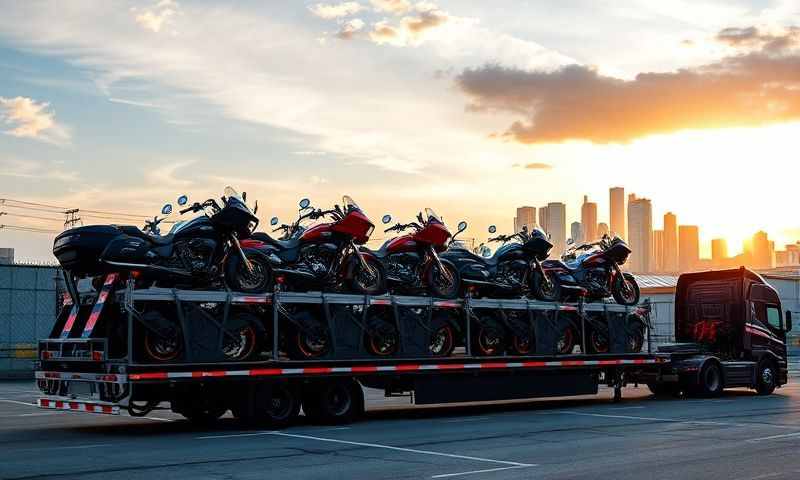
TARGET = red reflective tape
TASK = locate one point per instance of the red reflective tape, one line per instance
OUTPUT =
(107, 409)
(44, 402)
(363, 369)
(534, 364)
(317, 370)
(262, 372)
(607, 362)
(639, 361)
(494, 365)
(59, 404)
(450, 366)
(573, 363)
(73, 314)
(252, 299)
(149, 376)
(74, 405)
(406, 368)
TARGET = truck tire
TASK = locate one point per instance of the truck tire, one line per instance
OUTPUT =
(710, 382)
(334, 402)
(274, 406)
(766, 377)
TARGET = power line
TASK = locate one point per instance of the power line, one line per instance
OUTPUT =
(27, 229)
(32, 216)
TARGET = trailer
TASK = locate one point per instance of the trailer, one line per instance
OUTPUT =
(93, 362)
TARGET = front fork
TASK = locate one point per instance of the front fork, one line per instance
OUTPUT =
(247, 263)
(364, 265)
(445, 272)
(537, 265)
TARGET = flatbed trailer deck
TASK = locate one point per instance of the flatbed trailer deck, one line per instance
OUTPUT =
(78, 371)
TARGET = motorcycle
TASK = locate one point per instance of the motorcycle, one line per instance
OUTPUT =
(412, 261)
(326, 255)
(590, 269)
(598, 335)
(507, 272)
(195, 253)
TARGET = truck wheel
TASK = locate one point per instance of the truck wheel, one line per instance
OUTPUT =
(334, 402)
(766, 379)
(275, 406)
(710, 382)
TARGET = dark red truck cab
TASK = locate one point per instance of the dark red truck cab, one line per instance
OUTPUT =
(730, 332)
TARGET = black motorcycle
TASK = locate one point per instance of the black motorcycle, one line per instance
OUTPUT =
(194, 254)
(507, 272)
(591, 270)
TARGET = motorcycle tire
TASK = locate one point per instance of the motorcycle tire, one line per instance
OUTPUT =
(163, 341)
(364, 283)
(566, 341)
(442, 340)
(625, 296)
(310, 339)
(489, 340)
(598, 342)
(383, 341)
(245, 334)
(635, 340)
(438, 286)
(239, 279)
(522, 345)
(545, 291)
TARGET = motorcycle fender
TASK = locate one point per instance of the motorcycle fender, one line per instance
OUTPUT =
(352, 262)
(266, 253)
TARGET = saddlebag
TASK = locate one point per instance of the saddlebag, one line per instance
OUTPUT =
(78, 250)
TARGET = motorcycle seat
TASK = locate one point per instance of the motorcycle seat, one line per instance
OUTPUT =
(290, 244)
(154, 239)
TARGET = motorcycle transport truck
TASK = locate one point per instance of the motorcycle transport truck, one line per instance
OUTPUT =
(117, 348)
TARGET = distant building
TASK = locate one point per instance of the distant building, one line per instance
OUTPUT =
(543, 219)
(617, 211)
(670, 243)
(688, 248)
(640, 233)
(719, 252)
(576, 232)
(657, 264)
(6, 256)
(761, 251)
(602, 229)
(526, 217)
(589, 219)
(557, 227)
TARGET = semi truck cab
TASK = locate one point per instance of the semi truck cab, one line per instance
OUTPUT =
(729, 332)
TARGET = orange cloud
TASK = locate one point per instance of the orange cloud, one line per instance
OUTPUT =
(575, 102)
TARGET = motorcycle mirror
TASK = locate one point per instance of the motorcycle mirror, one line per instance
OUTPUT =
(273, 221)
(492, 229)
(167, 209)
(304, 203)
(183, 200)
(570, 241)
(386, 219)
(462, 225)
(244, 197)
(255, 208)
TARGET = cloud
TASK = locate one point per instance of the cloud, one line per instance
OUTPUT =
(330, 11)
(753, 37)
(575, 102)
(536, 166)
(29, 119)
(350, 28)
(34, 170)
(395, 7)
(156, 17)
(412, 29)
(382, 32)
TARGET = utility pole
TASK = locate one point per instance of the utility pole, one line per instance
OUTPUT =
(72, 218)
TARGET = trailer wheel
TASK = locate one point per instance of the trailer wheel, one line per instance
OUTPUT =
(274, 405)
(766, 377)
(710, 383)
(334, 403)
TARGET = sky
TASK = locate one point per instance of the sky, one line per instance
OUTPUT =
(469, 107)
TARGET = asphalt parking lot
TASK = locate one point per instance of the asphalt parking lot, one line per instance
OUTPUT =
(737, 436)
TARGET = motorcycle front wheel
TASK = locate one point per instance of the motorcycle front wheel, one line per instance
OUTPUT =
(371, 280)
(242, 338)
(443, 284)
(625, 290)
(545, 289)
(239, 278)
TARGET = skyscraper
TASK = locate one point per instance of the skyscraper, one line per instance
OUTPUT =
(589, 219)
(719, 252)
(602, 229)
(576, 232)
(762, 253)
(526, 217)
(543, 219)
(617, 212)
(657, 264)
(640, 233)
(688, 247)
(557, 227)
(670, 243)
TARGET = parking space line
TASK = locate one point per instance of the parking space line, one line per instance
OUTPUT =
(17, 402)
(775, 437)
(472, 472)
(467, 419)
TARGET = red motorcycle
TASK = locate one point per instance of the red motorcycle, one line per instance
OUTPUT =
(412, 261)
(326, 255)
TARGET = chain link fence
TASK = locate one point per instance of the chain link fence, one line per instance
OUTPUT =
(28, 310)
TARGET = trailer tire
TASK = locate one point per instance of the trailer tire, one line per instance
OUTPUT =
(335, 402)
(275, 406)
(766, 377)
(710, 382)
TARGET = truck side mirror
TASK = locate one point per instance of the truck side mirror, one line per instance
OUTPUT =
(788, 321)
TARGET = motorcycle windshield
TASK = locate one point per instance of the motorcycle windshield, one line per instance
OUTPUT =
(231, 193)
(432, 216)
(349, 204)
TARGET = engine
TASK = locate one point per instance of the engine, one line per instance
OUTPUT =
(403, 267)
(317, 258)
(596, 278)
(194, 255)
(513, 273)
